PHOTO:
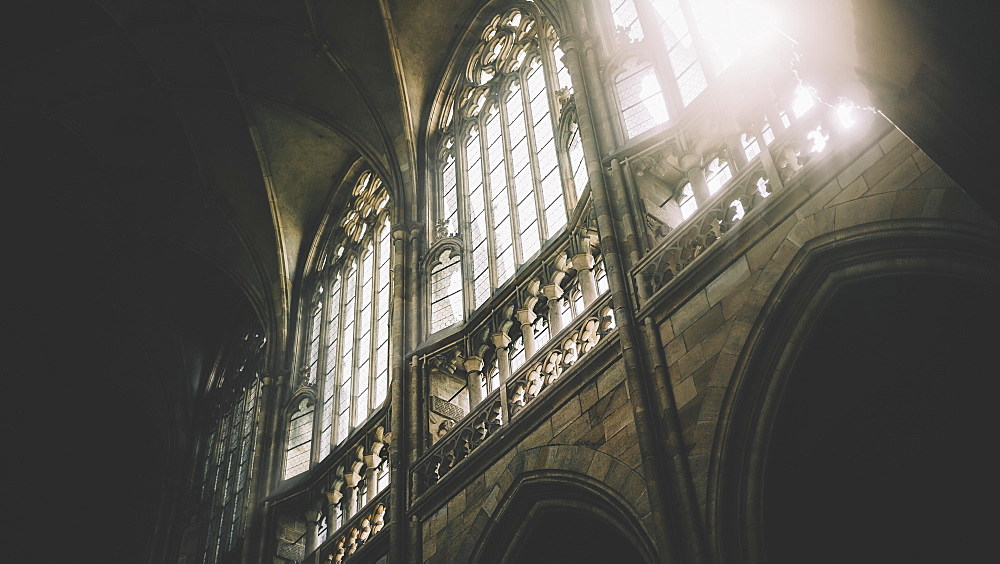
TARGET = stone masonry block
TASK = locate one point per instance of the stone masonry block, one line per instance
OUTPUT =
(588, 396)
(565, 415)
(675, 350)
(819, 201)
(599, 467)
(712, 344)
(685, 392)
(730, 278)
(893, 138)
(932, 179)
(909, 203)
(897, 179)
(892, 159)
(617, 475)
(610, 378)
(859, 166)
(924, 162)
(457, 504)
(705, 325)
(687, 364)
(853, 191)
(666, 331)
(736, 338)
(574, 432)
(689, 312)
(540, 436)
(722, 371)
(618, 420)
(617, 444)
(633, 458)
(607, 404)
(760, 253)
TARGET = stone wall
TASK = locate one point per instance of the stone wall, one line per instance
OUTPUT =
(705, 335)
(592, 434)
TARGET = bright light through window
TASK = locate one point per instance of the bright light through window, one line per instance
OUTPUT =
(803, 101)
(819, 139)
(650, 93)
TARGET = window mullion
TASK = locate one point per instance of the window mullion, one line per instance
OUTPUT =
(662, 65)
(559, 136)
(318, 448)
(484, 172)
(529, 130)
(355, 387)
(515, 223)
(373, 318)
(463, 182)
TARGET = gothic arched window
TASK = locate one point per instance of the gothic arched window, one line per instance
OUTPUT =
(510, 163)
(665, 53)
(346, 345)
(230, 444)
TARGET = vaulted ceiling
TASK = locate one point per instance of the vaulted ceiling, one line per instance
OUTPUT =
(167, 169)
(173, 161)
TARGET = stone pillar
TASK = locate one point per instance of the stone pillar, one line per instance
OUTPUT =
(692, 166)
(737, 157)
(333, 498)
(501, 341)
(312, 527)
(554, 292)
(584, 265)
(370, 480)
(474, 374)
(527, 317)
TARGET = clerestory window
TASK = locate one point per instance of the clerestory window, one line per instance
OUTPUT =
(229, 445)
(510, 164)
(346, 345)
(665, 53)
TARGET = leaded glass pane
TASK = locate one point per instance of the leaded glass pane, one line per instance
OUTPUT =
(299, 440)
(641, 101)
(626, 19)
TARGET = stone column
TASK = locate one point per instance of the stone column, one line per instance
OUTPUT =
(584, 265)
(691, 164)
(312, 527)
(333, 498)
(474, 374)
(554, 292)
(501, 341)
(527, 317)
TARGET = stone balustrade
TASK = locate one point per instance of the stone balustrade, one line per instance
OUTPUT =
(541, 370)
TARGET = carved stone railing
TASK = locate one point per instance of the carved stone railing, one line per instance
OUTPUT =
(342, 493)
(779, 162)
(360, 530)
(515, 395)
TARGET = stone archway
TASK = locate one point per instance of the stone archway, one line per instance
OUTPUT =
(554, 516)
(775, 425)
(883, 444)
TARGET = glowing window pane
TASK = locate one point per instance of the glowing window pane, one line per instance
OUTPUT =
(642, 103)
(627, 19)
(299, 440)
(446, 292)
(687, 203)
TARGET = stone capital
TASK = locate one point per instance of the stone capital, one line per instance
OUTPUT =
(473, 364)
(526, 316)
(691, 160)
(552, 291)
(500, 340)
(583, 261)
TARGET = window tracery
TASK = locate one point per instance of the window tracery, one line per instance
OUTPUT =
(347, 333)
(665, 53)
(230, 445)
(510, 162)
